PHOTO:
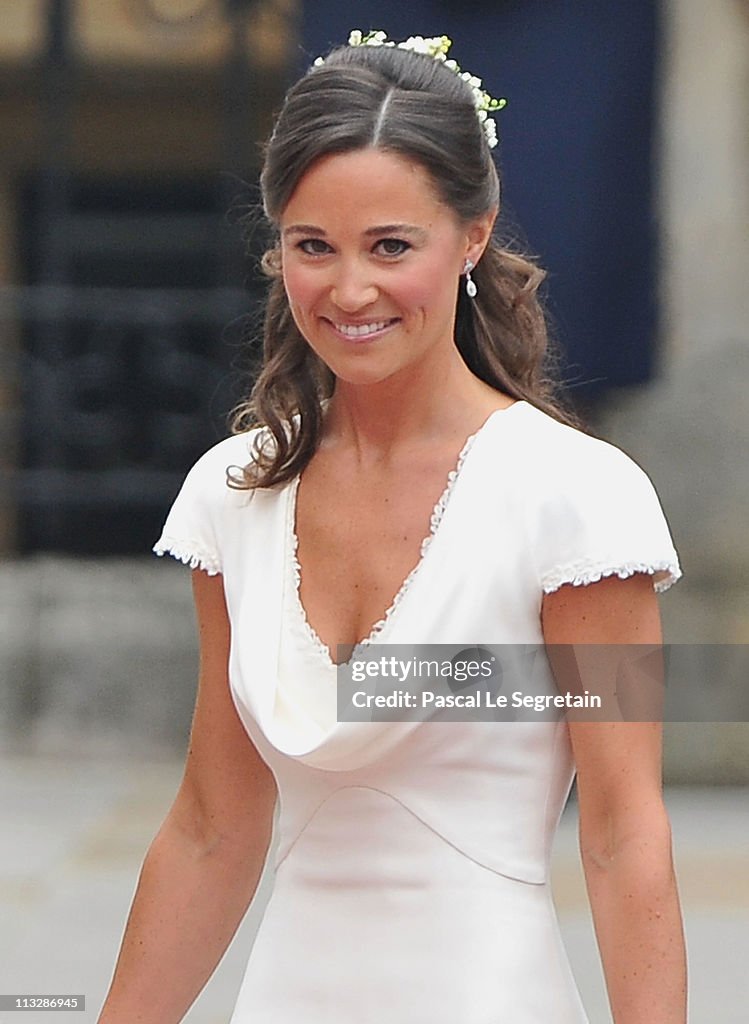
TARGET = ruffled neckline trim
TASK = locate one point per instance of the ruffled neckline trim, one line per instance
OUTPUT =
(379, 627)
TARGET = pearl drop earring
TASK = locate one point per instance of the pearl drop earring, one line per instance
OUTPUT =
(471, 288)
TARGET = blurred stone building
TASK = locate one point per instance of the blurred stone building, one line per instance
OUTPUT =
(129, 128)
(128, 159)
(690, 427)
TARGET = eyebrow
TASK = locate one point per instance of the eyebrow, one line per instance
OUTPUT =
(379, 231)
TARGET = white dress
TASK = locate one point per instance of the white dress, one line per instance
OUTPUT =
(412, 872)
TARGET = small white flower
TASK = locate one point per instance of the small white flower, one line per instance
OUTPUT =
(433, 47)
(438, 45)
(418, 44)
(355, 38)
(475, 83)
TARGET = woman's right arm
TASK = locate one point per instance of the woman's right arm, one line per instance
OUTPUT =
(203, 867)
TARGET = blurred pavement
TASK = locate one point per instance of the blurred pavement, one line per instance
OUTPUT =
(75, 832)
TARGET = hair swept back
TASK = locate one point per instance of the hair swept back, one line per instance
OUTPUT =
(409, 104)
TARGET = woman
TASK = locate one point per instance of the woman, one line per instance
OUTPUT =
(410, 480)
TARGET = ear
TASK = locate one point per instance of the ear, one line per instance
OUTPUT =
(478, 233)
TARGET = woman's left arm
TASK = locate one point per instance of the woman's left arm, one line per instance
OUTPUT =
(625, 836)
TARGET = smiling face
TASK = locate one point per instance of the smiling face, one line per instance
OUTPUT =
(371, 262)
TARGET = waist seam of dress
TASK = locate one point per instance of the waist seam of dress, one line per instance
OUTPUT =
(409, 810)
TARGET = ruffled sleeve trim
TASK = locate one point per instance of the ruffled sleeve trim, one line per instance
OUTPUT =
(199, 520)
(665, 573)
(189, 554)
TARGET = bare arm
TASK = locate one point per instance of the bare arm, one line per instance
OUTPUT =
(625, 837)
(204, 864)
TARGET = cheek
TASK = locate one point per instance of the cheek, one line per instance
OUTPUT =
(301, 287)
(428, 288)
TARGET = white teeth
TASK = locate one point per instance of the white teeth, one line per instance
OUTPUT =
(359, 330)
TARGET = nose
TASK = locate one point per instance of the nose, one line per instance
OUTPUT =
(352, 287)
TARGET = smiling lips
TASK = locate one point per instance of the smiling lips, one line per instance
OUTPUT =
(363, 330)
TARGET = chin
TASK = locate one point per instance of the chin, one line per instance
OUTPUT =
(362, 377)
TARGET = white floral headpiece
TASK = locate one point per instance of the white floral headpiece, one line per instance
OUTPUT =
(437, 47)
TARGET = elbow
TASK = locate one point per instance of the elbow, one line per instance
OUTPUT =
(210, 834)
(617, 837)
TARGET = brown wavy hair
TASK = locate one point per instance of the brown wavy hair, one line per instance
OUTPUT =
(412, 105)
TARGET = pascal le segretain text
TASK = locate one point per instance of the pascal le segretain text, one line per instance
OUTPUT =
(480, 699)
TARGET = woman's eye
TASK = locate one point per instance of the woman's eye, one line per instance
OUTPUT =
(314, 246)
(392, 246)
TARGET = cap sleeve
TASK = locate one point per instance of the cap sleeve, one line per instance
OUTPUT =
(195, 528)
(602, 519)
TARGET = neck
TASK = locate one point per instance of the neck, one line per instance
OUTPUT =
(419, 404)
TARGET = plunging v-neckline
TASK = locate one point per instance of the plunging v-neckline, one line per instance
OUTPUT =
(438, 512)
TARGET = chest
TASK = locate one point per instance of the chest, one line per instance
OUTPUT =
(359, 538)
